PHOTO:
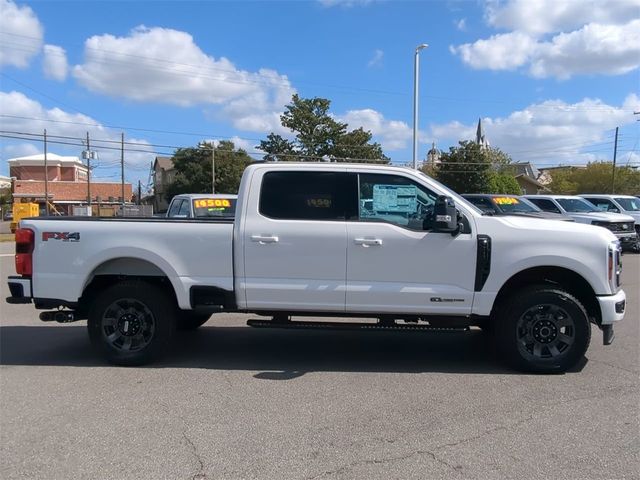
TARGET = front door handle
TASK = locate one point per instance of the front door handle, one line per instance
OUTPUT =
(262, 239)
(368, 242)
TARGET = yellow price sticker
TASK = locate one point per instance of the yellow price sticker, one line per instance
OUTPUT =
(506, 201)
(212, 202)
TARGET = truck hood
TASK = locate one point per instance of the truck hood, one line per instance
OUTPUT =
(601, 217)
(551, 230)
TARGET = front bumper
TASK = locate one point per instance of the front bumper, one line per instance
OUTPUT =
(612, 307)
(627, 238)
(20, 289)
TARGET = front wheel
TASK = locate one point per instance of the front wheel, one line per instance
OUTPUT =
(542, 329)
(131, 322)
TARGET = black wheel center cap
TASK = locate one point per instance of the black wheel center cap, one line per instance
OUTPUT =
(545, 331)
(129, 324)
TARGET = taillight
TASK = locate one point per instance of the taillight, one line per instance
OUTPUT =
(24, 251)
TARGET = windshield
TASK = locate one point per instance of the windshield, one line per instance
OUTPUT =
(577, 205)
(514, 205)
(214, 207)
(629, 204)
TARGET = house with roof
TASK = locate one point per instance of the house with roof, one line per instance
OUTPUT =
(164, 174)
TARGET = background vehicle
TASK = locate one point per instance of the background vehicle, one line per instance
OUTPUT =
(625, 204)
(583, 211)
(497, 204)
(202, 205)
(23, 210)
(329, 240)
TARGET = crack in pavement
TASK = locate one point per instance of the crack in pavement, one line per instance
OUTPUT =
(200, 474)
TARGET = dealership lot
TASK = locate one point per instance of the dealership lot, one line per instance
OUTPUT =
(235, 402)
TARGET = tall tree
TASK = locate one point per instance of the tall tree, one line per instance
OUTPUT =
(193, 168)
(319, 135)
(469, 168)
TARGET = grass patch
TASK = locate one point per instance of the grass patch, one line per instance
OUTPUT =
(7, 237)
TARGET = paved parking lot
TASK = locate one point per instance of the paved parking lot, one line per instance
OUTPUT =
(236, 402)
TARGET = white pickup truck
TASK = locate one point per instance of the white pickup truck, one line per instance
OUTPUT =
(329, 240)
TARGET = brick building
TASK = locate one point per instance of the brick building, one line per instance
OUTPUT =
(66, 185)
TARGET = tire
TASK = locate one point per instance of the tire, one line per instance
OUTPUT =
(187, 320)
(543, 330)
(132, 322)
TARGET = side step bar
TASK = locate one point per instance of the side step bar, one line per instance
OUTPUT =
(257, 323)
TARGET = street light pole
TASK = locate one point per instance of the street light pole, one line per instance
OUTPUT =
(416, 72)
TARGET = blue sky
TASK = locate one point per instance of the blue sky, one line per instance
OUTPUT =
(551, 79)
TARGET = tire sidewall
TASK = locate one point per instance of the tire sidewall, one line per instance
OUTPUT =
(155, 299)
(506, 334)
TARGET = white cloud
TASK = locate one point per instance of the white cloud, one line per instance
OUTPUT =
(392, 134)
(603, 37)
(172, 69)
(54, 62)
(23, 114)
(547, 16)
(595, 48)
(461, 24)
(551, 132)
(506, 51)
(376, 60)
(20, 34)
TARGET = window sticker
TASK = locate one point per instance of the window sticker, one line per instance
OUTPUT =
(395, 198)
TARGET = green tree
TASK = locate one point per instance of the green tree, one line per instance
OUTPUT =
(503, 182)
(595, 178)
(319, 135)
(193, 169)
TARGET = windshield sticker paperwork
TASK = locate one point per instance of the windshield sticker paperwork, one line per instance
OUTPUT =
(395, 198)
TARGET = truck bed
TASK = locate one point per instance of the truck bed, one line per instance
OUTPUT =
(69, 252)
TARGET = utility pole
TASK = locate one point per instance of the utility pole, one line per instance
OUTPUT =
(46, 176)
(213, 167)
(139, 192)
(88, 173)
(122, 169)
(613, 173)
(416, 77)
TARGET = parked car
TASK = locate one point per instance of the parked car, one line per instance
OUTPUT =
(583, 211)
(625, 204)
(8, 216)
(327, 239)
(202, 205)
(498, 204)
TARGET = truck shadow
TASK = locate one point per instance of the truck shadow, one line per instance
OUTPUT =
(276, 354)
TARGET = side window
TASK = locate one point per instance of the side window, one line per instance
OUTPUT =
(307, 195)
(175, 206)
(184, 209)
(394, 199)
(546, 205)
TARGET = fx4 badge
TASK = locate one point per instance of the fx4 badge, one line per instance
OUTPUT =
(64, 236)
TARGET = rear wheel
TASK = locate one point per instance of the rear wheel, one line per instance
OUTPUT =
(190, 320)
(542, 329)
(131, 322)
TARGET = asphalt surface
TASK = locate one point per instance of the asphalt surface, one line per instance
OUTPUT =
(235, 402)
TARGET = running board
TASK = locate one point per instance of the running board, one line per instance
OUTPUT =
(257, 323)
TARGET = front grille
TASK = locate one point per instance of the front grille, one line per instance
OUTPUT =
(619, 226)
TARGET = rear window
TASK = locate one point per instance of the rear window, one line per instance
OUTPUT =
(306, 195)
(214, 207)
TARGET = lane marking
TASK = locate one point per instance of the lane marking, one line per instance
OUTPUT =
(7, 254)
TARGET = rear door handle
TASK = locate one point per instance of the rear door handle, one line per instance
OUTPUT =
(262, 239)
(368, 242)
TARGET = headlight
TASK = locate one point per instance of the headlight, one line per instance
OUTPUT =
(614, 265)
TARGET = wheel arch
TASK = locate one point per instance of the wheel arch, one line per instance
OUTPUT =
(118, 269)
(562, 277)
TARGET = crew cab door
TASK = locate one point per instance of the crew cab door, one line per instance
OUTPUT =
(394, 263)
(295, 241)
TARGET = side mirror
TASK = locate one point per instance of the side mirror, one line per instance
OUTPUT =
(445, 216)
